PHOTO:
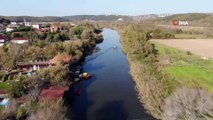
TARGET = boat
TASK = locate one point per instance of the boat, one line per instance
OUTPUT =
(86, 76)
(77, 80)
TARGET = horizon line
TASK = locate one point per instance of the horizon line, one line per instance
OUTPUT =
(105, 14)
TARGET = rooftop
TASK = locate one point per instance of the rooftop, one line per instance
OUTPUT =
(19, 38)
(53, 93)
(2, 37)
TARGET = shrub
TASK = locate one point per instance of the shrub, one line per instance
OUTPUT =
(49, 111)
(21, 113)
(188, 53)
(189, 104)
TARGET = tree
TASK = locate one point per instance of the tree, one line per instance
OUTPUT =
(18, 89)
(86, 34)
(50, 51)
(57, 75)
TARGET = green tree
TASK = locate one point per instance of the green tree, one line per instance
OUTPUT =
(18, 89)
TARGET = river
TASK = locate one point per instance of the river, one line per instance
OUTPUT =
(110, 93)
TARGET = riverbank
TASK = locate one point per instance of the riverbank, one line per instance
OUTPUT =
(159, 92)
(152, 84)
(35, 94)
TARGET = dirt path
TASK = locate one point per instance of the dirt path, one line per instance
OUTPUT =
(201, 47)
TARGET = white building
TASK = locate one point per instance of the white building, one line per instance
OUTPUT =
(13, 23)
(20, 40)
(3, 40)
(120, 19)
(36, 26)
(11, 27)
(28, 24)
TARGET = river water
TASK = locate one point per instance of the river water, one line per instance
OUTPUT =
(110, 93)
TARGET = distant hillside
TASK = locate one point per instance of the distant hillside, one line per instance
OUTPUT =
(196, 19)
(145, 17)
(33, 19)
(66, 18)
(97, 17)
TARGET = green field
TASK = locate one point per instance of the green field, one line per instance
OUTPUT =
(190, 36)
(4, 85)
(186, 68)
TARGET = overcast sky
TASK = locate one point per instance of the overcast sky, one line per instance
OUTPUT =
(97, 7)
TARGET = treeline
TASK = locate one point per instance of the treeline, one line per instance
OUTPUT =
(162, 34)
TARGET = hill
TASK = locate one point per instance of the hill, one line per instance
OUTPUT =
(97, 17)
(66, 18)
(33, 19)
(195, 19)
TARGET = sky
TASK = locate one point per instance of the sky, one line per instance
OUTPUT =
(97, 7)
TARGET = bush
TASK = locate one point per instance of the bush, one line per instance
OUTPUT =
(189, 104)
(78, 30)
(21, 113)
(50, 111)
(23, 28)
(188, 53)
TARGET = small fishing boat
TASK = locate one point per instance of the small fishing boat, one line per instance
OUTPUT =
(86, 76)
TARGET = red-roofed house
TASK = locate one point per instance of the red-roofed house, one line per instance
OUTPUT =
(32, 65)
(3, 94)
(3, 40)
(53, 93)
(20, 40)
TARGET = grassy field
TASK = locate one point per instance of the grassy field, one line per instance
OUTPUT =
(1, 109)
(4, 85)
(190, 36)
(186, 68)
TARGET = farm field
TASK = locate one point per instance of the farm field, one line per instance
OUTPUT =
(186, 68)
(201, 47)
(190, 36)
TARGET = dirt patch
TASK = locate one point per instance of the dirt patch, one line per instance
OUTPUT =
(201, 47)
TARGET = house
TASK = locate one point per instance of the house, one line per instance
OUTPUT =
(56, 27)
(53, 93)
(32, 65)
(18, 40)
(3, 94)
(36, 26)
(61, 58)
(120, 19)
(3, 40)
(13, 23)
(11, 27)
